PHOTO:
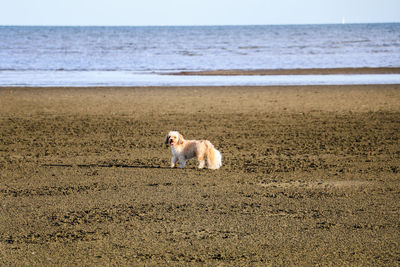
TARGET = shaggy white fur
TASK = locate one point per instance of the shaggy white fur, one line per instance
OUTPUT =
(183, 150)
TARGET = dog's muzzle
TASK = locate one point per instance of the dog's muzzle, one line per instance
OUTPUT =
(168, 141)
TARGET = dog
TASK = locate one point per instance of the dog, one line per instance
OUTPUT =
(183, 150)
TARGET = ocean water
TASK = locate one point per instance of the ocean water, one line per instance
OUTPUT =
(132, 55)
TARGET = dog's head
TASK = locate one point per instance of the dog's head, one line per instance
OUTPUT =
(174, 138)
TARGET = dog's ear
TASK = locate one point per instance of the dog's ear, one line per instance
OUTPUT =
(180, 139)
(166, 140)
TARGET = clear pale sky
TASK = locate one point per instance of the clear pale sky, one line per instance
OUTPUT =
(199, 12)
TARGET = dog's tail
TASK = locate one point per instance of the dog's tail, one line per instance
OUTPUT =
(214, 157)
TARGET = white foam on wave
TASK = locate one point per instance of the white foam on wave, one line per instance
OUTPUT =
(128, 78)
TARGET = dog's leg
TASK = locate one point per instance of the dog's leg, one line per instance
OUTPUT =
(182, 162)
(201, 164)
(173, 161)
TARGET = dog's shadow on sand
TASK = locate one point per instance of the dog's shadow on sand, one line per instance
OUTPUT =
(105, 166)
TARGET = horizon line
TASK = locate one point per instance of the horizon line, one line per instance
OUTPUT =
(190, 25)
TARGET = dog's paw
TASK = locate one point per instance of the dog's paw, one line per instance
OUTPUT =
(201, 164)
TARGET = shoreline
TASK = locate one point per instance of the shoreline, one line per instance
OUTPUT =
(190, 87)
(282, 77)
(312, 71)
(104, 88)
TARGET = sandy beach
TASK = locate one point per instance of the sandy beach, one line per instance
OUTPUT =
(310, 176)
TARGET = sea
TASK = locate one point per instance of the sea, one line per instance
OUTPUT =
(145, 56)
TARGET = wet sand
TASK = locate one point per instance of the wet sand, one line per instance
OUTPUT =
(310, 176)
(316, 71)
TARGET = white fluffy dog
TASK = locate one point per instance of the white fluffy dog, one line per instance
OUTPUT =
(183, 150)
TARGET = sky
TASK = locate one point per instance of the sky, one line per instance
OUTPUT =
(199, 12)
